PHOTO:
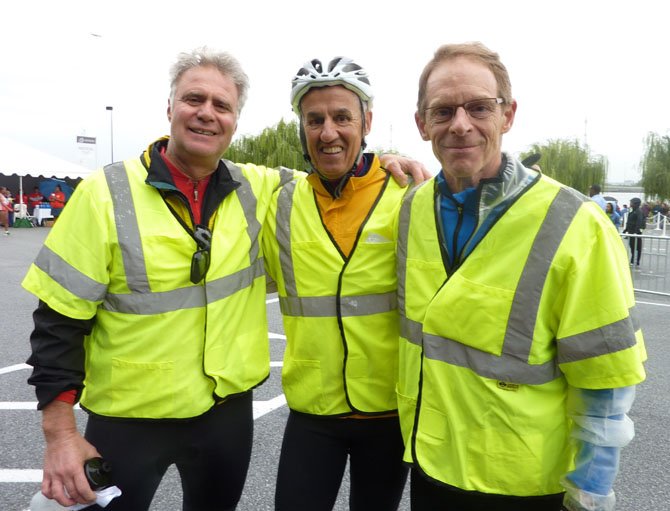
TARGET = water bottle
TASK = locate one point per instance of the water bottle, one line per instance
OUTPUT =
(99, 475)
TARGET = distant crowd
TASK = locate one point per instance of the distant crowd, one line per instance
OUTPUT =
(10, 204)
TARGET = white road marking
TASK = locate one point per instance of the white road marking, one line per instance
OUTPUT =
(18, 405)
(12, 475)
(263, 407)
(35, 476)
(18, 367)
(9, 475)
(654, 303)
(24, 405)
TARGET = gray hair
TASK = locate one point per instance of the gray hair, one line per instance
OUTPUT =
(223, 61)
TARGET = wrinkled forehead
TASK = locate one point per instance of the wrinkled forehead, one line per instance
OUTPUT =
(329, 97)
(460, 76)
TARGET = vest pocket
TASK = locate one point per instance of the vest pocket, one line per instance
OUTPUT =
(471, 313)
(406, 410)
(134, 383)
(513, 460)
(302, 385)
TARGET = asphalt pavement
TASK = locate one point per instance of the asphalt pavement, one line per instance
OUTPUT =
(643, 483)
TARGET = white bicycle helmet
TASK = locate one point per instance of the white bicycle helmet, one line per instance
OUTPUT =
(340, 71)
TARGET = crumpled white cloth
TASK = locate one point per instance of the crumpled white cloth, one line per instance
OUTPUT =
(103, 497)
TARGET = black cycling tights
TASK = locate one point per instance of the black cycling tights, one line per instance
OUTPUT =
(211, 452)
(428, 496)
(314, 456)
(635, 245)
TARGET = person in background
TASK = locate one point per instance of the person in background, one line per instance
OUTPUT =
(624, 212)
(645, 208)
(515, 382)
(614, 216)
(329, 245)
(10, 207)
(34, 199)
(635, 224)
(57, 201)
(596, 196)
(5, 208)
(657, 208)
(152, 308)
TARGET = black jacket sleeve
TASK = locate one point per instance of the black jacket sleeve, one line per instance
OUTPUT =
(57, 357)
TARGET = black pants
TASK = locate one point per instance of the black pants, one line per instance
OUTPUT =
(427, 496)
(211, 452)
(635, 245)
(314, 456)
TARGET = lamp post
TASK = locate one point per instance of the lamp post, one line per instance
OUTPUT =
(111, 129)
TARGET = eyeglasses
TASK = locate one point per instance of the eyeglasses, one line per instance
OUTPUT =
(476, 109)
(201, 258)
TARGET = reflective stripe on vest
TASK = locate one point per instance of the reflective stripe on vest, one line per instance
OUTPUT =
(317, 306)
(71, 279)
(127, 228)
(249, 203)
(512, 364)
(141, 300)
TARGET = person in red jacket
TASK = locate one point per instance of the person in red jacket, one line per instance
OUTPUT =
(34, 199)
(5, 208)
(57, 200)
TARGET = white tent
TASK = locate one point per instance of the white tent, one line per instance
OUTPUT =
(22, 160)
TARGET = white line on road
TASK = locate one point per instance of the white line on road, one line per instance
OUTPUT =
(24, 405)
(11, 475)
(263, 407)
(35, 476)
(654, 303)
(18, 405)
(18, 367)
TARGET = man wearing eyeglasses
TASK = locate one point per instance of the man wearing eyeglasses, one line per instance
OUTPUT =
(514, 381)
(152, 307)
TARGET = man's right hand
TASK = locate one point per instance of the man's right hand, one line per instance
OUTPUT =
(66, 451)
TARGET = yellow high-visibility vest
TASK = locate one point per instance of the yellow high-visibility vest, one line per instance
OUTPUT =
(340, 315)
(543, 300)
(161, 346)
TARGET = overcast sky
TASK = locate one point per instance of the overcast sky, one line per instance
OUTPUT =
(590, 70)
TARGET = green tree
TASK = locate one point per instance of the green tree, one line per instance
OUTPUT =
(656, 166)
(570, 163)
(275, 146)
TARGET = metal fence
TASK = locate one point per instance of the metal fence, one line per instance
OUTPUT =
(659, 223)
(653, 274)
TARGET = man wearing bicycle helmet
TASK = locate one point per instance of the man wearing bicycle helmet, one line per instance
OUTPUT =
(330, 246)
